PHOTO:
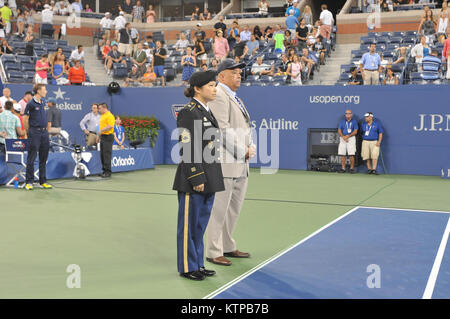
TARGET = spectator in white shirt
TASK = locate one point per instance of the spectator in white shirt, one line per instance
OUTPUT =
(119, 23)
(77, 55)
(245, 34)
(106, 23)
(260, 68)
(418, 50)
(327, 20)
(62, 9)
(182, 43)
(47, 15)
(6, 97)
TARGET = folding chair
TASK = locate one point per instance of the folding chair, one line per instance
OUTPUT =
(15, 156)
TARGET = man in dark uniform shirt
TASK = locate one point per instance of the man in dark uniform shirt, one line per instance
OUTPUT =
(35, 122)
(199, 174)
(220, 25)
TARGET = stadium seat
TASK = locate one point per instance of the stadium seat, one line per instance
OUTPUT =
(15, 76)
(61, 43)
(16, 66)
(169, 74)
(8, 58)
(252, 78)
(357, 54)
(27, 67)
(383, 40)
(119, 70)
(25, 59)
(395, 40)
(345, 68)
(398, 67)
(18, 45)
(367, 40)
(344, 77)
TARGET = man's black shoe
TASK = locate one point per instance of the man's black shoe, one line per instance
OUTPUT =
(193, 275)
(106, 175)
(352, 171)
(369, 171)
(374, 172)
(342, 170)
(206, 272)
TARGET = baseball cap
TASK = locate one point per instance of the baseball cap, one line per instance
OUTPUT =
(121, 13)
(51, 100)
(229, 64)
(106, 13)
(368, 114)
(46, 6)
(113, 43)
(145, 44)
(17, 107)
(199, 24)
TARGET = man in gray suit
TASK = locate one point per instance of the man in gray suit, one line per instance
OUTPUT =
(237, 148)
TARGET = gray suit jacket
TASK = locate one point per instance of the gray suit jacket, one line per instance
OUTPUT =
(234, 122)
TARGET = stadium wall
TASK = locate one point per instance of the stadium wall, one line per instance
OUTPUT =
(415, 118)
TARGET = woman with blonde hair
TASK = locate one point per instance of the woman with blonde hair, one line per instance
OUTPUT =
(307, 15)
(443, 19)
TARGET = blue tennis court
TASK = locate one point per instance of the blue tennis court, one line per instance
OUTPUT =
(366, 253)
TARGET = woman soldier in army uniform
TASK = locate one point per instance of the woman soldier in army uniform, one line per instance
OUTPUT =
(199, 174)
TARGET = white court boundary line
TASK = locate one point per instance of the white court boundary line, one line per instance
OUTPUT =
(278, 255)
(407, 209)
(285, 251)
(437, 264)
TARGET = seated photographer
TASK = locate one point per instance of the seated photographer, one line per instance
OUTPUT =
(119, 135)
(133, 77)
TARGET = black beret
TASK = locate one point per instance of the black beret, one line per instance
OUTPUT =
(202, 78)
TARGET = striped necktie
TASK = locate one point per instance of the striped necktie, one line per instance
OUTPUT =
(241, 107)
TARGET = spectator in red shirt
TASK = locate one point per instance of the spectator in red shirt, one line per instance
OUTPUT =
(17, 108)
(76, 74)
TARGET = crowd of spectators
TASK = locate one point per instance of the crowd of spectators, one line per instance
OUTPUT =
(427, 55)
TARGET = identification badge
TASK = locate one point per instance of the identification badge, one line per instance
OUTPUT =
(349, 130)
(367, 133)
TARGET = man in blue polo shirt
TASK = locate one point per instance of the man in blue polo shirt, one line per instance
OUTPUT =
(294, 8)
(371, 66)
(347, 131)
(372, 137)
(35, 122)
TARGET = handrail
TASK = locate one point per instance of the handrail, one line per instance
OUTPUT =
(3, 73)
(224, 11)
(346, 8)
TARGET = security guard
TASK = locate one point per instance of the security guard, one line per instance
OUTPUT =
(35, 122)
(199, 174)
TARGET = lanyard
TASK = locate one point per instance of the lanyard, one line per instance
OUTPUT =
(346, 125)
(370, 128)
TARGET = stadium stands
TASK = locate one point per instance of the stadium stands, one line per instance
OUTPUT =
(20, 68)
(388, 44)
